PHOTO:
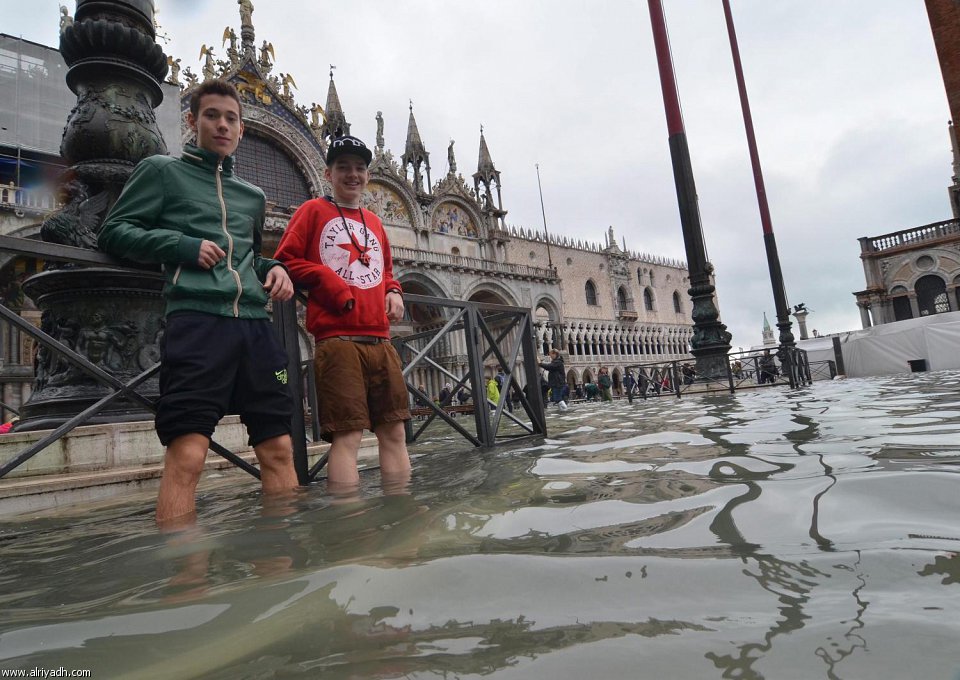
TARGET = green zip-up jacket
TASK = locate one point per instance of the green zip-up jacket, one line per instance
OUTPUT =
(168, 206)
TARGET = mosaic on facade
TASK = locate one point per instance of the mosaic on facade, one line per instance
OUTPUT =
(450, 218)
(387, 204)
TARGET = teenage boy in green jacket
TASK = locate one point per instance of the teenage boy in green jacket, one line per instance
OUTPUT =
(220, 353)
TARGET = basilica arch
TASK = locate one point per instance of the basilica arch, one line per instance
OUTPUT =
(291, 141)
(489, 291)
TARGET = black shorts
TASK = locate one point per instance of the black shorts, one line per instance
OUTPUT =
(214, 365)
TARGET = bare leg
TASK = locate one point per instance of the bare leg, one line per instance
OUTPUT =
(182, 466)
(342, 463)
(276, 464)
(392, 441)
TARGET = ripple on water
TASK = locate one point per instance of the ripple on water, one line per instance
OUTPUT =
(771, 534)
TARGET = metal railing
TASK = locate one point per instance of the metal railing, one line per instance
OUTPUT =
(743, 369)
(497, 338)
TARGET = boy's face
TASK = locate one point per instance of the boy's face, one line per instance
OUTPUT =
(217, 125)
(348, 176)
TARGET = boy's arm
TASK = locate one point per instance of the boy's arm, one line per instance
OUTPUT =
(262, 265)
(389, 282)
(274, 276)
(292, 253)
(130, 230)
(392, 289)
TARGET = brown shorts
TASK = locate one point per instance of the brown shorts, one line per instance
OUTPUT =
(359, 386)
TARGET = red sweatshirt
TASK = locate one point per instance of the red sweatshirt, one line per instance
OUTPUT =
(338, 260)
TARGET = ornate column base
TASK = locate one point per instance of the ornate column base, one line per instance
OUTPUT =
(113, 318)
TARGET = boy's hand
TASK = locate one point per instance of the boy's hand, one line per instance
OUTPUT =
(210, 254)
(394, 304)
(278, 284)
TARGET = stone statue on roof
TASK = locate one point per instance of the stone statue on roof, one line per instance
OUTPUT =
(287, 80)
(451, 161)
(267, 57)
(246, 13)
(65, 18)
(174, 65)
(229, 35)
(316, 113)
(379, 129)
(209, 67)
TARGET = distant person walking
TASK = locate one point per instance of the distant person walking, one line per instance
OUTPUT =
(630, 383)
(768, 368)
(493, 392)
(603, 379)
(556, 377)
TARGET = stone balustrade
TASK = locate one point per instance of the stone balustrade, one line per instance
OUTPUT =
(402, 255)
(909, 237)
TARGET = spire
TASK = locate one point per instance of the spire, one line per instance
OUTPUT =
(486, 176)
(414, 143)
(335, 124)
(485, 166)
(767, 332)
(415, 154)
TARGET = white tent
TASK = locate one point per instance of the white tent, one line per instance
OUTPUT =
(889, 348)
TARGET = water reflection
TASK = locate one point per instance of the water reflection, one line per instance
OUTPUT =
(763, 535)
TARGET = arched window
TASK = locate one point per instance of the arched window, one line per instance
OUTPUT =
(932, 295)
(640, 276)
(648, 299)
(677, 306)
(590, 290)
(622, 301)
(261, 162)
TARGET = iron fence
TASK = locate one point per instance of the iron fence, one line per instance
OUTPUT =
(790, 366)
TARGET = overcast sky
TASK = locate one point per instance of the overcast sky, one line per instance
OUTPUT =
(847, 98)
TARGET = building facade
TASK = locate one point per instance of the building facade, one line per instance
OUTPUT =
(598, 302)
(915, 272)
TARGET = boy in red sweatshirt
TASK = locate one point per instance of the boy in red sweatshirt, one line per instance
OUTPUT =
(340, 253)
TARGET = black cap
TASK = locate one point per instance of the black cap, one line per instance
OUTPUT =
(348, 144)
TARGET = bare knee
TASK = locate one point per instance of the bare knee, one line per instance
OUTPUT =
(185, 457)
(276, 452)
(392, 442)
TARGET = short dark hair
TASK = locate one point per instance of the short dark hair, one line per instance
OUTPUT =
(215, 86)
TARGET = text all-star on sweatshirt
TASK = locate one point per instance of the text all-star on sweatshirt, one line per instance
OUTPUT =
(340, 254)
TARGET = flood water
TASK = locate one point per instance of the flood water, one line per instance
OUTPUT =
(771, 534)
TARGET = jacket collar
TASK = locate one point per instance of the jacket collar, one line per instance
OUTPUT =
(206, 159)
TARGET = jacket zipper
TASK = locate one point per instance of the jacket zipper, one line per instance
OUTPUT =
(223, 225)
(176, 274)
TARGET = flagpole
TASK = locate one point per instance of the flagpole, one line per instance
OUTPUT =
(711, 340)
(770, 242)
(543, 212)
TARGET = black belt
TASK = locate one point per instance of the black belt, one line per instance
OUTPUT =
(363, 339)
